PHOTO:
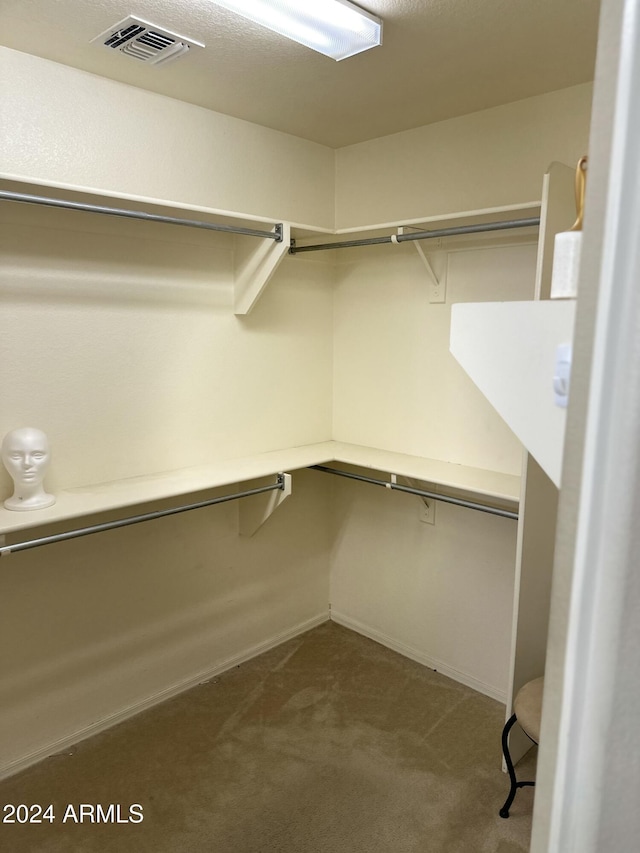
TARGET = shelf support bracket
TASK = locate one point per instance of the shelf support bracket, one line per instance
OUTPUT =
(428, 509)
(254, 511)
(438, 284)
(254, 267)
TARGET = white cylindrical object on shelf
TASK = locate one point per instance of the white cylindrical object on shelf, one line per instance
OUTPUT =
(566, 265)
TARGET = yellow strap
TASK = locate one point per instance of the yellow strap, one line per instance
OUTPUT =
(580, 184)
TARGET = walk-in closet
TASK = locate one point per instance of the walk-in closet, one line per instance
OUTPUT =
(291, 402)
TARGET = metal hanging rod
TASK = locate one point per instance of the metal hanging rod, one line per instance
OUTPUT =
(420, 235)
(276, 234)
(137, 519)
(505, 513)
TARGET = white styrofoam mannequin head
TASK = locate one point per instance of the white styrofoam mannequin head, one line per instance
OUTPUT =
(25, 455)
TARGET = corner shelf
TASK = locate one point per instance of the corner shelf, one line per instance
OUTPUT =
(254, 264)
(121, 494)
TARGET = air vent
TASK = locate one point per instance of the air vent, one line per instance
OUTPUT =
(144, 41)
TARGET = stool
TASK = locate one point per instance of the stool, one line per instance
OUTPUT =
(527, 712)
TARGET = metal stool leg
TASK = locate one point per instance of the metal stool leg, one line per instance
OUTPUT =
(504, 811)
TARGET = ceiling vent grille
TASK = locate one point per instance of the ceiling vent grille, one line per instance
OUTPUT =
(144, 41)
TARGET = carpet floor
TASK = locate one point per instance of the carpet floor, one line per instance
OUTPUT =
(329, 743)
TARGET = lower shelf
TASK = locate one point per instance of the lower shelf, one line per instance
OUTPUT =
(476, 481)
(95, 499)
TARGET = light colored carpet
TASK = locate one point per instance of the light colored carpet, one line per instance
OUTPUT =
(330, 743)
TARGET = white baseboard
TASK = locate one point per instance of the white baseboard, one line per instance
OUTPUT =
(101, 725)
(66, 742)
(419, 656)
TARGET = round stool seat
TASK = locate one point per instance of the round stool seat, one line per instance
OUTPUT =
(528, 708)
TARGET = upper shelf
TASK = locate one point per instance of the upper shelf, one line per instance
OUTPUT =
(464, 217)
(509, 350)
(239, 218)
(255, 260)
(261, 247)
(520, 222)
(91, 500)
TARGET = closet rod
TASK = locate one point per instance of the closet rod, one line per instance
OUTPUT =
(420, 235)
(492, 510)
(136, 519)
(276, 234)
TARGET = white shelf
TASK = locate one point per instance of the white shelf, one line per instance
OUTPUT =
(256, 261)
(529, 210)
(104, 497)
(526, 210)
(509, 351)
(448, 475)
(256, 257)
(299, 230)
(120, 494)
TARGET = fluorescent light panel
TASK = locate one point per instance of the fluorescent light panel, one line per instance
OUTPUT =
(335, 28)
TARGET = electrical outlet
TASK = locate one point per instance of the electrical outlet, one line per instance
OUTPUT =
(428, 511)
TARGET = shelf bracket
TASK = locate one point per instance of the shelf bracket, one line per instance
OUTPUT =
(254, 511)
(428, 509)
(438, 282)
(254, 267)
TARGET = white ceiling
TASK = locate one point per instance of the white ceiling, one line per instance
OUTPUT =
(439, 59)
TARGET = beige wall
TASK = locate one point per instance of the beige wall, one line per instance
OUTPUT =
(65, 127)
(178, 153)
(485, 159)
(120, 341)
(396, 386)
(100, 627)
(442, 593)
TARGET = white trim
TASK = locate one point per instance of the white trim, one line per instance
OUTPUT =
(105, 723)
(417, 655)
(108, 722)
(597, 659)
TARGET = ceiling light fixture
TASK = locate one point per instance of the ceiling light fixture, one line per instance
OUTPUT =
(335, 28)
